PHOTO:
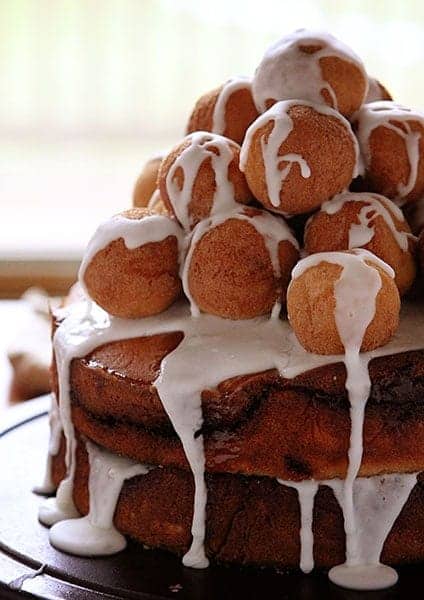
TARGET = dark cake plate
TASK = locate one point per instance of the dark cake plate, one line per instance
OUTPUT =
(133, 573)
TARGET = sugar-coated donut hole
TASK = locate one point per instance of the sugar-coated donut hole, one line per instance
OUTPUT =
(238, 113)
(324, 141)
(311, 66)
(326, 232)
(389, 165)
(347, 81)
(311, 305)
(146, 182)
(230, 272)
(386, 152)
(205, 182)
(134, 283)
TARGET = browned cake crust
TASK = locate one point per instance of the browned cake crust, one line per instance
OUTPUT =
(258, 424)
(250, 520)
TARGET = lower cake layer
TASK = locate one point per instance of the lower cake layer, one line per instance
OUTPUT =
(250, 520)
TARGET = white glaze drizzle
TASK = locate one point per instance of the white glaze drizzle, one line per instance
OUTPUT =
(134, 232)
(55, 426)
(391, 116)
(225, 347)
(355, 294)
(213, 349)
(378, 502)
(202, 146)
(95, 534)
(375, 205)
(343, 259)
(17, 584)
(286, 72)
(272, 229)
(306, 491)
(154, 198)
(228, 89)
(67, 346)
(283, 125)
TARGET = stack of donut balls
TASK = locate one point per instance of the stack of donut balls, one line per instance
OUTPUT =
(311, 156)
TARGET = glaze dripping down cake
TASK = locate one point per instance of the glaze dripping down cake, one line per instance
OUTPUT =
(239, 377)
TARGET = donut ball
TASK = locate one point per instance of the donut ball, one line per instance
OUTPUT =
(146, 182)
(365, 221)
(297, 155)
(311, 66)
(238, 267)
(348, 282)
(376, 91)
(201, 177)
(131, 265)
(391, 138)
(227, 110)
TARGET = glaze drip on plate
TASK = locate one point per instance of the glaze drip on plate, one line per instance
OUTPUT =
(95, 533)
(378, 502)
(55, 426)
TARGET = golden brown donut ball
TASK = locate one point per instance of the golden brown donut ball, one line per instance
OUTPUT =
(146, 182)
(311, 303)
(297, 155)
(376, 91)
(227, 110)
(311, 66)
(367, 221)
(391, 138)
(127, 276)
(232, 272)
(201, 176)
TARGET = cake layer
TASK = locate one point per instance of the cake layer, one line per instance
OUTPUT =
(250, 520)
(259, 424)
(116, 381)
